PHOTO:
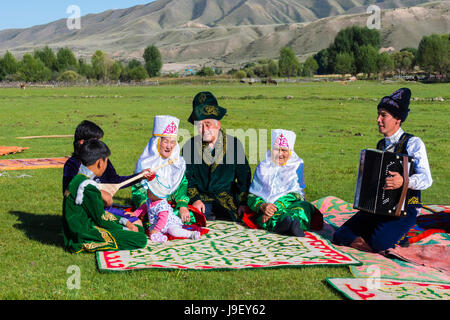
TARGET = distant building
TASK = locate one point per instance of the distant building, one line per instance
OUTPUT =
(190, 71)
(388, 50)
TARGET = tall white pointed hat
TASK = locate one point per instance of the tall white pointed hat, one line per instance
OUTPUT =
(283, 139)
(165, 126)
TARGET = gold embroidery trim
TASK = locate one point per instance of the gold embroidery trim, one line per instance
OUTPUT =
(226, 201)
(107, 216)
(413, 200)
(106, 235)
(282, 204)
(192, 192)
(210, 110)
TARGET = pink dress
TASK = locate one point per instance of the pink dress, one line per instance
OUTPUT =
(163, 220)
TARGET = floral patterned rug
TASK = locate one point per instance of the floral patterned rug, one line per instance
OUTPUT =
(389, 289)
(232, 246)
(336, 211)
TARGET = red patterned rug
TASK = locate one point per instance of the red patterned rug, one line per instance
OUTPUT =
(32, 164)
(231, 246)
(389, 289)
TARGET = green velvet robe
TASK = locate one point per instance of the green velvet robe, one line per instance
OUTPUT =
(88, 227)
(291, 205)
(224, 180)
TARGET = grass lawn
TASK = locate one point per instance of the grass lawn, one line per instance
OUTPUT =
(333, 123)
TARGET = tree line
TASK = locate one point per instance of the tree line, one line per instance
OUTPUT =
(46, 65)
(356, 50)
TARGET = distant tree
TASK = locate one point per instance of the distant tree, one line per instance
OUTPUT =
(260, 71)
(114, 70)
(206, 72)
(134, 71)
(85, 69)
(48, 57)
(348, 40)
(153, 61)
(8, 65)
(345, 63)
(433, 54)
(138, 73)
(403, 61)
(310, 66)
(366, 58)
(288, 63)
(322, 61)
(351, 38)
(99, 65)
(31, 69)
(66, 60)
(385, 63)
(241, 74)
(134, 63)
(250, 73)
(273, 68)
(413, 51)
(69, 76)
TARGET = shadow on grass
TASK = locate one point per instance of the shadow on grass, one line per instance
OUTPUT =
(45, 228)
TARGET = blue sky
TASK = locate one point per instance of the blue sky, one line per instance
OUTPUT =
(28, 13)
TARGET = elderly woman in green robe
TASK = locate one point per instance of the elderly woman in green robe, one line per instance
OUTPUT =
(162, 146)
(277, 190)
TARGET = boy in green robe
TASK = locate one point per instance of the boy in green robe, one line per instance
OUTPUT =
(87, 227)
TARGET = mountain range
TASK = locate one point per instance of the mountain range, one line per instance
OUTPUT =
(228, 33)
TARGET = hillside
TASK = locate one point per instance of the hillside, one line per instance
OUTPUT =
(229, 32)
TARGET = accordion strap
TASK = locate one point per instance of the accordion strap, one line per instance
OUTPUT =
(405, 186)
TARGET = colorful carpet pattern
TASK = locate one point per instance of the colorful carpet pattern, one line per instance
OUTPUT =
(389, 289)
(4, 150)
(230, 246)
(32, 164)
(336, 211)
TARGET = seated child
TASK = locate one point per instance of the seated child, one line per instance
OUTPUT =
(161, 218)
(86, 225)
(88, 130)
(277, 190)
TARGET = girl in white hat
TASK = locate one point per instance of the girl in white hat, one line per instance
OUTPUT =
(278, 189)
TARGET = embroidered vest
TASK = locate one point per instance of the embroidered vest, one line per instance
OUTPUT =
(414, 196)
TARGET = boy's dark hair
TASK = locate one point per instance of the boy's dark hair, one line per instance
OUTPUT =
(85, 130)
(92, 150)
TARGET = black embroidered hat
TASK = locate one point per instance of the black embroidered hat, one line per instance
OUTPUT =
(397, 103)
(205, 106)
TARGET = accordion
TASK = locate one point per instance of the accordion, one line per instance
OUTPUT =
(374, 167)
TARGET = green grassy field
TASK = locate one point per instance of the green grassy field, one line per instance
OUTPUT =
(333, 123)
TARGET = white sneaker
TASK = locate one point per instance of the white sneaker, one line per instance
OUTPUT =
(195, 235)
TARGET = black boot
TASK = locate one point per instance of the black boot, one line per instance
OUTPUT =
(283, 226)
(296, 229)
